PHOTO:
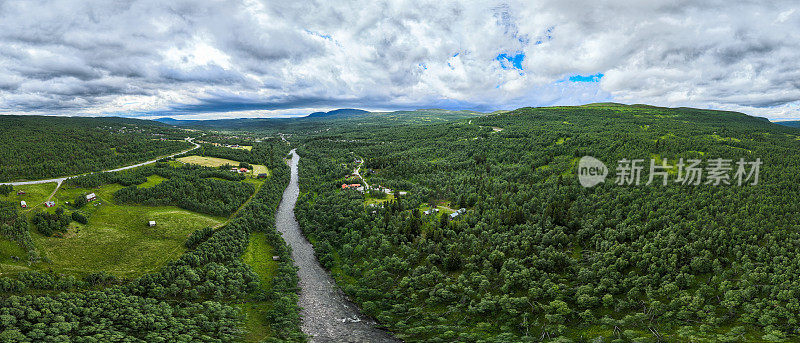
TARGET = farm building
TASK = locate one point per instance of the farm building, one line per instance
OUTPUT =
(20, 192)
(454, 214)
(243, 170)
(151, 223)
(49, 203)
(352, 185)
(90, 197)
(23, 204)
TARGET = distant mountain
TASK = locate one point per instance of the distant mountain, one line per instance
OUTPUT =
(795, 123)
(339, 112)
(169, 121)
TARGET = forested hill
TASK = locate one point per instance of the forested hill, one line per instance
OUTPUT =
(37, 147)
(335, 120)
(790, 123)
(534, 256)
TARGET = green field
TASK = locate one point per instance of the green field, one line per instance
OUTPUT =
(216, 162)
(117, 239)
(259, 256)
(35, 195)
(208, 161)
(152, 180)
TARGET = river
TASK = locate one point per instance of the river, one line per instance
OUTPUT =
(327, 314)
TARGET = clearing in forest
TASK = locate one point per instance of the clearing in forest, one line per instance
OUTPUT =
(216, 162)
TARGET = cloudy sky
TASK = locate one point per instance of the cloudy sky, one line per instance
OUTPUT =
(226, 59)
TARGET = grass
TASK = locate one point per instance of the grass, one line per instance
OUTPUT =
(117, 239)
(8, 249)
(259, 257)
(259, 169)
(208, 161)
(152, 180)
(35, 194)
(371, 200)
(216, 162)
(725, 139)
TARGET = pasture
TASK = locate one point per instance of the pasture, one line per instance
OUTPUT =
(117, 238)
(34, 195)
(259, 257)
(216, 162)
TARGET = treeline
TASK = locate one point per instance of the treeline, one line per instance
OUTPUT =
(14, 227)
(51, 223)
(139, 175)
(266, 153)
(537, 257)
(37, 147)
(210, 196)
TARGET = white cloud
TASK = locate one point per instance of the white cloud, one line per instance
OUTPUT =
(263, 58)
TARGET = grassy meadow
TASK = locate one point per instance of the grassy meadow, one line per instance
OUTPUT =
(117, 238)
(259, 256)
(35, 195)
(216, 162)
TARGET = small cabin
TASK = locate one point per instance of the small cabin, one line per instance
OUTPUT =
(49, 203)
(276, 258)
(20, 192)
(243, 170)
(23, 204)
(151, 223)
(90, 197)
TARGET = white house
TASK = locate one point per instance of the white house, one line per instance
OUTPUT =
(151, 223)
(90, 197)
(23, 204)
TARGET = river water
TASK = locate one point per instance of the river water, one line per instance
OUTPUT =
(327, 314)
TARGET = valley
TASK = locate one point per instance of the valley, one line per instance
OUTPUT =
(485, 233)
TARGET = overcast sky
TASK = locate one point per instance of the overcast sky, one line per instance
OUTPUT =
(226, 59)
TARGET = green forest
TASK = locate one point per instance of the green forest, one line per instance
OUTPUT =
(535, 256)
(38, 147)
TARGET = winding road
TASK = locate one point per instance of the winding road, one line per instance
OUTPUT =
(357, 172)
(328, 315)
(59, 180)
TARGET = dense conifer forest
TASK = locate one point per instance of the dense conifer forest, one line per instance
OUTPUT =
(39, 147)
(536, 257)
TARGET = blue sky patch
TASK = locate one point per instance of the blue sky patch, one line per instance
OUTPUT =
(587, 78)
(508, 61)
